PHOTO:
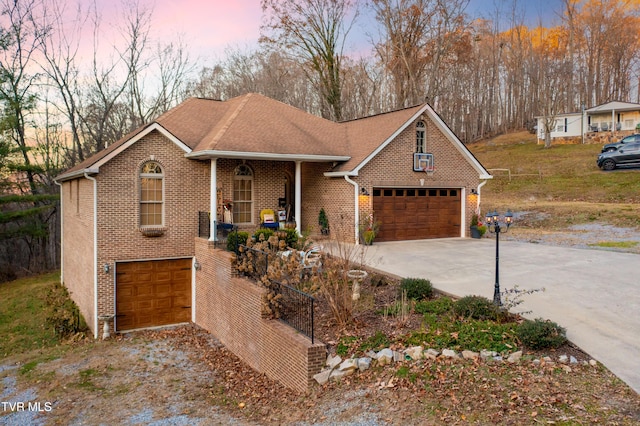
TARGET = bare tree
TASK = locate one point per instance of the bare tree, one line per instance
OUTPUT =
(315, 32)
(59, 52)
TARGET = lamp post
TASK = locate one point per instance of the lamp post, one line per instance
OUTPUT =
(494, 226)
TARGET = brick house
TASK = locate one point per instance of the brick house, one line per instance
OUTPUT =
(130, 212)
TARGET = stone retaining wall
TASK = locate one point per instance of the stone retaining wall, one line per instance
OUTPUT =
(229, 307)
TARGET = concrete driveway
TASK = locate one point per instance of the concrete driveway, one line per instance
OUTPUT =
(594, 294)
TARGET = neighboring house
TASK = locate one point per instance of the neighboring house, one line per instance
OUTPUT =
(130, 212)
(617, 118)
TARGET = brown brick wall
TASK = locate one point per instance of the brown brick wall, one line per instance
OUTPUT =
(186, 191)
(335, 195)
(229, 307)
(78, 245)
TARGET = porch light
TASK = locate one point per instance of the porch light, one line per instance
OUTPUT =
(363, 191)
(106, 268)
(197, 265)
(474, 191)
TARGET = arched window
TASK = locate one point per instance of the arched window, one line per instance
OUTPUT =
(421, 145)
(243, 194)
(151, 195)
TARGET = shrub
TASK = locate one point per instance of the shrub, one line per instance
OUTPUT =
(290, 237)
(264, 232)
(417, 288)
(476, 307)
(236, 238)
(63, 314)
(437, 306)
(541, 334)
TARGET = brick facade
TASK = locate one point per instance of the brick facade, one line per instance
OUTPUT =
(229, 307)
(393, 167)
(78, 244)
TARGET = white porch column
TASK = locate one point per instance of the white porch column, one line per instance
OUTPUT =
(213, 206)
(298, 196)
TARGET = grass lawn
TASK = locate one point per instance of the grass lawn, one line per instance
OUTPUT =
(562, 183)
(23, 315)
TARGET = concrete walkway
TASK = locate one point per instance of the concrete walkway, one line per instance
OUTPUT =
(594, 294)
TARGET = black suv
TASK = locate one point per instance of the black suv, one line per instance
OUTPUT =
(626, 155)
(613, 146)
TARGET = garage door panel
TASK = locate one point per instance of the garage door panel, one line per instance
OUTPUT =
(417, 213)
(152, 293)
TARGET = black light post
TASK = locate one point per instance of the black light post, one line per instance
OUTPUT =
(493, 225)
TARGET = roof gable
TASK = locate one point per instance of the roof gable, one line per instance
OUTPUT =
(92, 164)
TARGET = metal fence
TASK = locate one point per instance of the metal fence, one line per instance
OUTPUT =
(222, 229)
(296, 306)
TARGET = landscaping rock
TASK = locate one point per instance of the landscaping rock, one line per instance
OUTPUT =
(398, 356)
(573, 360)
(514, 357)
(431, 354)
(414, 352)
(364, 363)
(336, 375)
(470, 355)
(563, 359)
(333, 362)
(348, 364)
(593, 362)
(385, 356)
(322, 377)
(485, 354)
(449, 353)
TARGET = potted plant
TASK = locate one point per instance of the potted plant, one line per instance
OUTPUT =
(477, 228)
(323, 221)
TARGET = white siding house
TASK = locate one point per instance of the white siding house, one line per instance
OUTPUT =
(611, 117)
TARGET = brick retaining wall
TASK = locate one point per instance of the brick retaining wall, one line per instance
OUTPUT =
(229, 307)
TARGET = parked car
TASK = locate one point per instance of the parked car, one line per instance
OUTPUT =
(616, 145)
(626, 155)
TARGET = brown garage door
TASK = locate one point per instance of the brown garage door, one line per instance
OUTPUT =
(413, 214)
(152, 293)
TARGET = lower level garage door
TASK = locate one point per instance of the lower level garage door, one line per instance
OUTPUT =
(152, 293)
(414, 214)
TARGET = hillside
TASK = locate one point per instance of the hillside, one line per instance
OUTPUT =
(557, 187)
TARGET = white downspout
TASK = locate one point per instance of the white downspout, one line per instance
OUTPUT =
(61, 234)
(484, 182)
(356, 216)
(95, 254)
(213, 200)
(298, 197)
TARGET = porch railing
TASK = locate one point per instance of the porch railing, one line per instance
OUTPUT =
(296, 306)
(222, 229)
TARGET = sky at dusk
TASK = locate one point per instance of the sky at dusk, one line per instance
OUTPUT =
(208, 27)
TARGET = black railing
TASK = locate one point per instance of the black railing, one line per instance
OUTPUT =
(251, 262)
(222, 229)
(296, 307)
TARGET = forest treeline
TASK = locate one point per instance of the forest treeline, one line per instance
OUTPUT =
(484, 76)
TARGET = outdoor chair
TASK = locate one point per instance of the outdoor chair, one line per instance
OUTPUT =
(268, 219)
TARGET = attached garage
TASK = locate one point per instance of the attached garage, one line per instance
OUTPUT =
(153, 293)
(417, 213)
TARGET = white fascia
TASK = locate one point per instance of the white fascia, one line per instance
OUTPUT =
(136, 138)
(266, 156)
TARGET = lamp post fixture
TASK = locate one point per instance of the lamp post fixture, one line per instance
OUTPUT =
(493, 225)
